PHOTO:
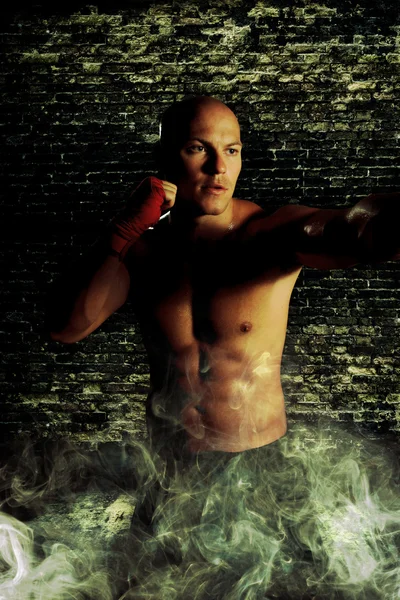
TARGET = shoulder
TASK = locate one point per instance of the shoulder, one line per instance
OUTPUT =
(244, 210)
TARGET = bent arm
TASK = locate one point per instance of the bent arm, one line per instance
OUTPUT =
(96, 287)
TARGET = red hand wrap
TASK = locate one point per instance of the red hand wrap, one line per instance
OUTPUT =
(142, 211)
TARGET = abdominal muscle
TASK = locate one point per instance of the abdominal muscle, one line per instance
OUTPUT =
(234, 422)
(236, 405)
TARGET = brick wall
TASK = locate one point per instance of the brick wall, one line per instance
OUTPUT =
(316, 88)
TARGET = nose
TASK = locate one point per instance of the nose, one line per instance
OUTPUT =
(216, 164)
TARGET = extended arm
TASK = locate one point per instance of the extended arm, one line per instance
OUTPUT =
(335, 238)
(365, 233)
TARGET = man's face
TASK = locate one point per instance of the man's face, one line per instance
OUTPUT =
(209, 160)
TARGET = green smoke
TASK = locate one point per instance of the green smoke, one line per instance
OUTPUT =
(314, 515)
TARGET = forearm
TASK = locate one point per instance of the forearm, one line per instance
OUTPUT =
(91, 299)
(78, 296)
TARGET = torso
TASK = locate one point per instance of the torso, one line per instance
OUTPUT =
(214, 317)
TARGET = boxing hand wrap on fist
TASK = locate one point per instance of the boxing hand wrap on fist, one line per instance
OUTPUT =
(142, 211)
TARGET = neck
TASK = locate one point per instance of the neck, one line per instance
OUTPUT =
(203, 227)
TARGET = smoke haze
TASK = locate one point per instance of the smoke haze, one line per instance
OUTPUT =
(314, 515)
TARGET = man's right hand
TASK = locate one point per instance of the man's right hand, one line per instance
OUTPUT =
(145, 206)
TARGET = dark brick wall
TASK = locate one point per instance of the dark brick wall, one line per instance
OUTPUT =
(316, 88)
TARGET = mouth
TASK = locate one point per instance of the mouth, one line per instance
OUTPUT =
(215, 188)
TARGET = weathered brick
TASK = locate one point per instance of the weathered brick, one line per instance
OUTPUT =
(315, 89)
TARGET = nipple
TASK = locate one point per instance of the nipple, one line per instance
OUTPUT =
(246, 326)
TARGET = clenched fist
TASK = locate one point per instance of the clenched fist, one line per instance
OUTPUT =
(170, 190)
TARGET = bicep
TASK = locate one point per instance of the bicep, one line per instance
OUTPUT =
(325, 261)
(315, 237)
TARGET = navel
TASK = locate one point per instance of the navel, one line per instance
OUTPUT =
(246, 326)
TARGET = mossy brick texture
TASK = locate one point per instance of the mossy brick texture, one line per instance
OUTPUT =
(316, 88)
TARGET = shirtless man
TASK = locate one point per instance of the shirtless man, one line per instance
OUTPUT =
(211, 284)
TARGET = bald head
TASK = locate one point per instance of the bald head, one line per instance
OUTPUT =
(176, 119)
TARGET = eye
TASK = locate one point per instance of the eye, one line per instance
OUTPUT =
(233, 151)
(195, 149)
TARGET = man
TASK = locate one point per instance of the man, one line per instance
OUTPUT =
(211, 284)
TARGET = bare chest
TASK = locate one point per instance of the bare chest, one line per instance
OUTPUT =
(212, 298)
